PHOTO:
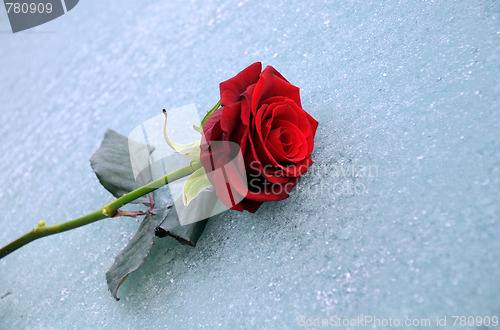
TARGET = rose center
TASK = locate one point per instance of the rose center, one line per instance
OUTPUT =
(287, 140)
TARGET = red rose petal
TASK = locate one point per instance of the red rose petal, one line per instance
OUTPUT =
(289, 142)
(246, 103)
(258, 124)
(231, 89)
(230, 117)
(249, 205)
(274, 145)
(269, 86)
(271, 70)
(287, 113)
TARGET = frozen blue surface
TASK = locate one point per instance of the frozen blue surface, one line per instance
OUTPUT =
(411, 89)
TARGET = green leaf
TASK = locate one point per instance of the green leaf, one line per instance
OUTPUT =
(134, 254)
(208, 114)
(112, 166)
(194, 184)
(188, 234)
(201, 208)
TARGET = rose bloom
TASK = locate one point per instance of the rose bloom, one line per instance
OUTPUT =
(262, 115)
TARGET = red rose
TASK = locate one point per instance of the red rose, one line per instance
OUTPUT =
(262, 114)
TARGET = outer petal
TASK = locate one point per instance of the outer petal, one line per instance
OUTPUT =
(249, 205)
(230, 117)
(212, 127)
(269, 69)
(231, 90)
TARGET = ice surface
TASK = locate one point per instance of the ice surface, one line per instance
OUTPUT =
(408, 91)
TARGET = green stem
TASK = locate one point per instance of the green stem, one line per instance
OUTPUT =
(108, 211)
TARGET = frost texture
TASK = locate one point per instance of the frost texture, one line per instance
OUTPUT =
(411, 87)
